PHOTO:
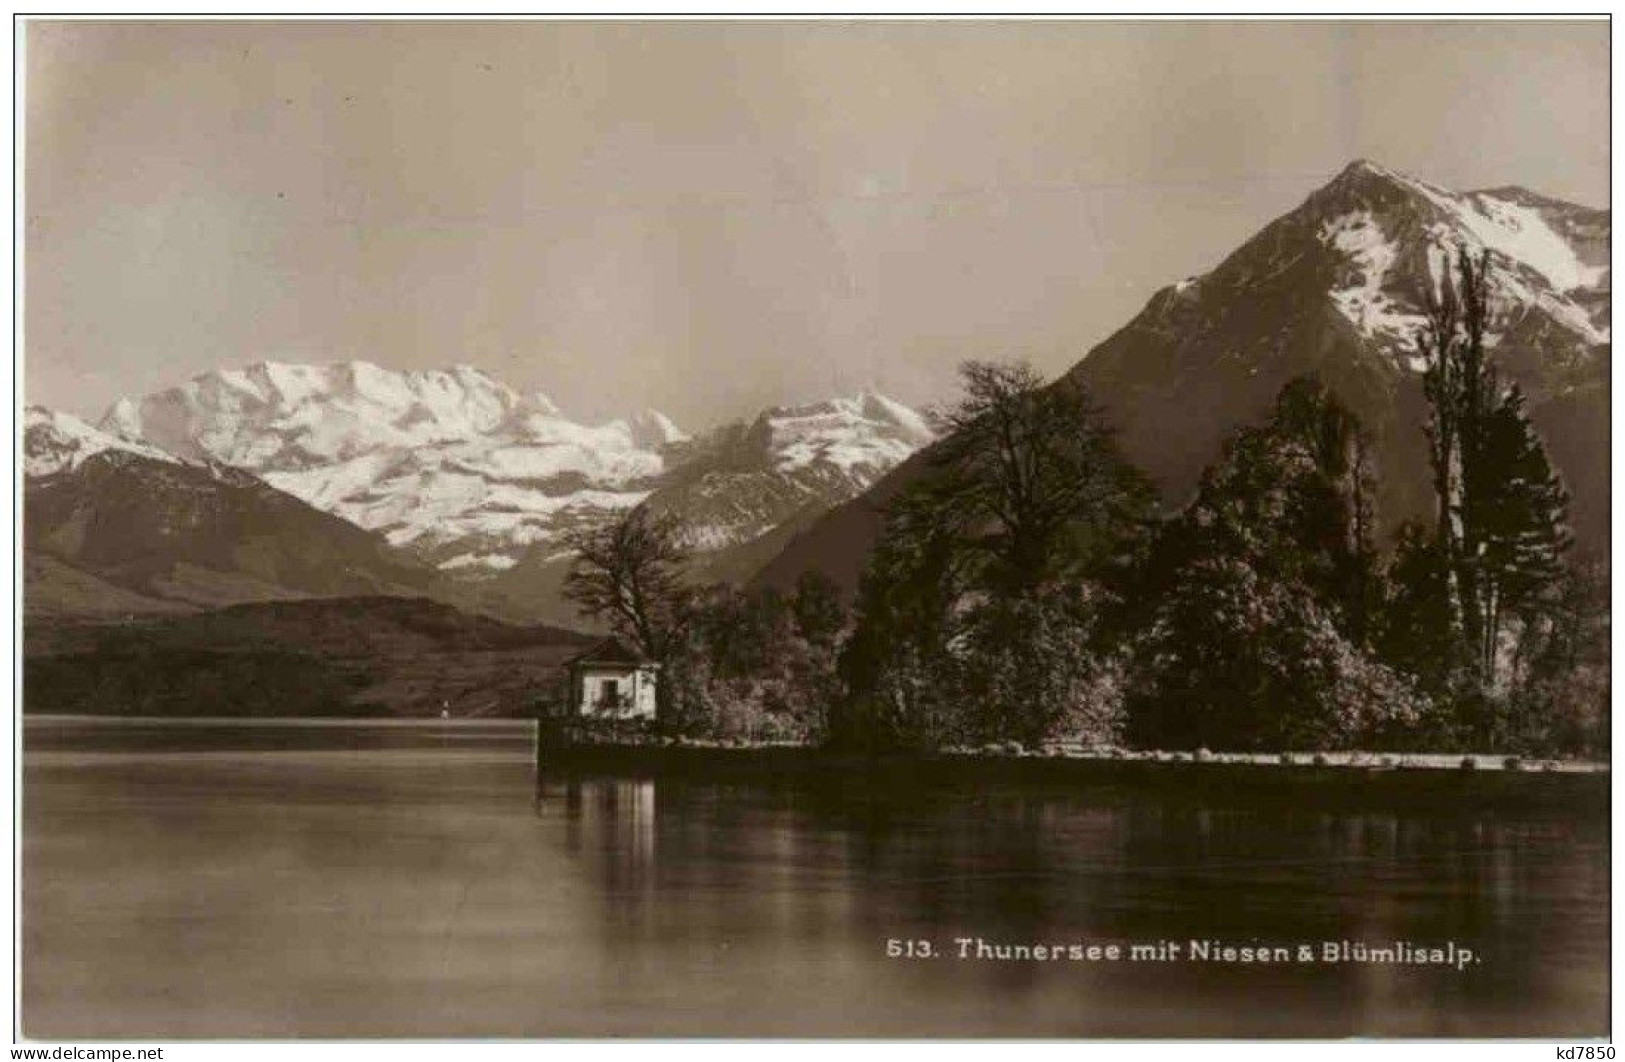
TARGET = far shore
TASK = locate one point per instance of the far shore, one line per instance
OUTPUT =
(68, 718)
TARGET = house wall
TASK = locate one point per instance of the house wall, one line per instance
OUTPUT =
(636, 684)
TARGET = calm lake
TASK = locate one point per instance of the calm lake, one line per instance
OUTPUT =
(376, 880)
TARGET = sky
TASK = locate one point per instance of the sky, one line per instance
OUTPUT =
(710, 218)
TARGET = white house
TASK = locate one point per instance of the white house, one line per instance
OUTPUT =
(612, 681)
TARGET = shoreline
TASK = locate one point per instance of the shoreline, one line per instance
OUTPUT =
(1347, 782)
(1362, 763)
(1057, 753)
(1354, 760)
(1260, 781)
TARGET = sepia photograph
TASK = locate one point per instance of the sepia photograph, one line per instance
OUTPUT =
(803, 528)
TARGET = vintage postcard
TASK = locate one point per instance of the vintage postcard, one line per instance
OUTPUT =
(983, 528)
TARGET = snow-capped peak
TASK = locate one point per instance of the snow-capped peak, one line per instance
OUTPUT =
(427, 457)
(275, 413)
(1395, 234)
(652, 429)
(1516, 232)
(744, 480)
(54, 442)
(878, 407)
(867, 429)
(1367, 169)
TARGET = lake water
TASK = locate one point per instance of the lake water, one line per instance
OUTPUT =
(231, 881)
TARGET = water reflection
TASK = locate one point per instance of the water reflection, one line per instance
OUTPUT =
(613, 822)
(819, 876)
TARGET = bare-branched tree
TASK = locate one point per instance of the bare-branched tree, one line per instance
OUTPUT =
(629, 573)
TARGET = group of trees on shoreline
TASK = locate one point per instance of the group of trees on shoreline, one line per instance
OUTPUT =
(1026, 590)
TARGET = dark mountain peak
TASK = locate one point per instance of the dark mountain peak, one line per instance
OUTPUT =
(1371, 244)
(1375, 189)
(1363, 178)
(1337, 287)
(209, 535)
(128, 466)
(1365, 171)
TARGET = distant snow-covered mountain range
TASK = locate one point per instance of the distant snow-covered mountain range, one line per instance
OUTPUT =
(453, 465)
(475, 479)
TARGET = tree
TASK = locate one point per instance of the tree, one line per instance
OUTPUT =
(1293, 498)
(1561, 670)
(1231, 658)
(1499, 527)
(974, 610)
(1032, 672)
(1249, 616)
(1034, 473)
(753, 674)
(819, 612)
(1417, 633)
(1296, 495)
(1516, 510)
(899, 670)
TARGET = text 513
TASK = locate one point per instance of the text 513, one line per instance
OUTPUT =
(909, 949)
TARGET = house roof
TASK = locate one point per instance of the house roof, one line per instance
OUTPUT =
(609, 651)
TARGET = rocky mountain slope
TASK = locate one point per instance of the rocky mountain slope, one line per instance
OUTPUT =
(53, 589)
(753, 483)
(1337, 287)
(203, 535)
